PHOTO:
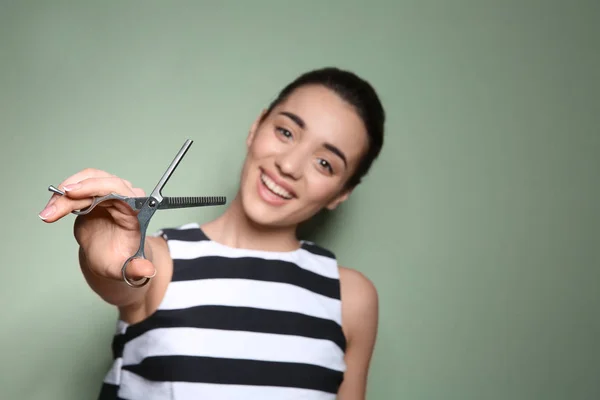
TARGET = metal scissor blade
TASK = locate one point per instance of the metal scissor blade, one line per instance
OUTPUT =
(157, 192)
(184, 202)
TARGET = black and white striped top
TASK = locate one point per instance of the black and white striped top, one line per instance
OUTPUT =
(235, 324)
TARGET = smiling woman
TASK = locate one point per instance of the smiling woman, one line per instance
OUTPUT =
(239, 307)
(307, 147)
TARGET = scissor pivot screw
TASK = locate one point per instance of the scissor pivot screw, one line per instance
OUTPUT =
(152, 203)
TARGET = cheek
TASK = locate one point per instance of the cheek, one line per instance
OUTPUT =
(321, 188)
(264, 145)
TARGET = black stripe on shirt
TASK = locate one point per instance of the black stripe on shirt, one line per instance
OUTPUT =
(185, 235)
(108, 391)
(235, 319)
(217, 267)
(195, 234)
(237, 371)
(318, 250)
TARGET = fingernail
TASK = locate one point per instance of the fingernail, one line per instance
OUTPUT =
(72, 186)
(48, 211)
(152, 276)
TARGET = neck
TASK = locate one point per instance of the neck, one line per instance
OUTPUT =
(234, 229)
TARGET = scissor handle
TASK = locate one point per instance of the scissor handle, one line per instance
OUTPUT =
(98, 200)
(141, 282)
(147, 211)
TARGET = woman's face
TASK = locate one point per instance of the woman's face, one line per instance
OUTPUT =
(300, 157)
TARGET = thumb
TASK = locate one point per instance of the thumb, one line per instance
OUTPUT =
(139, 268)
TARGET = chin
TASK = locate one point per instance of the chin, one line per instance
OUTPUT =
(263, 215)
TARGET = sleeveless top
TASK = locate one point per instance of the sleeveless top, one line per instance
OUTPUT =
(235, 324)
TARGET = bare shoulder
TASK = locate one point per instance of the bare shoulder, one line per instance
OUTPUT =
(358, 291)
(356, 280)
(360, 318)
(360, 302)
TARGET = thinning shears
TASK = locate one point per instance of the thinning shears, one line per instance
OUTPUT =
(147, 206)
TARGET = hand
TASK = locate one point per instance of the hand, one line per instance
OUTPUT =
(109, 234)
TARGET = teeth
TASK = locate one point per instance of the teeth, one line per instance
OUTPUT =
(275, 188)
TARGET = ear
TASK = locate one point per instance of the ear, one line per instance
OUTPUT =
(254, 128)
(339, 200)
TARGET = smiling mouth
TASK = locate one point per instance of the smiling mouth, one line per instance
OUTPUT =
(275, 188)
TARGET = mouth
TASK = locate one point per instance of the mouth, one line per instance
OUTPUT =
(274, 188)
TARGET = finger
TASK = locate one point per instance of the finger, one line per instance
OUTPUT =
(139, 268)
(79, 196)
(138, 192)
(52, 200)
(58, 208)
(102, 186)
(84, 174)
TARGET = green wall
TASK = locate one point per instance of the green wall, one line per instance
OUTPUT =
(479, 224)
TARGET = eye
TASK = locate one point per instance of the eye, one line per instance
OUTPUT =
(284, 132)
(326, 165)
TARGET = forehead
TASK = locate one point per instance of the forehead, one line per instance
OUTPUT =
(328, 118)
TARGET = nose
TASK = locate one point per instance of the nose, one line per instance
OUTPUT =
(290, 163)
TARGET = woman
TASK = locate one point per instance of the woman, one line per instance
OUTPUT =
(239, 307)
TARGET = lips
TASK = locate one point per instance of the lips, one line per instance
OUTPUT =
(276, 186)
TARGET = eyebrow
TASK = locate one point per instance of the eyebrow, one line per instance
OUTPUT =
(300, 122)
(337, 152)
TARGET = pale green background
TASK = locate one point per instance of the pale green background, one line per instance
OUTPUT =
(479, 224)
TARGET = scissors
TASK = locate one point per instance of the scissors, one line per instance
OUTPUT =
(147, 206)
